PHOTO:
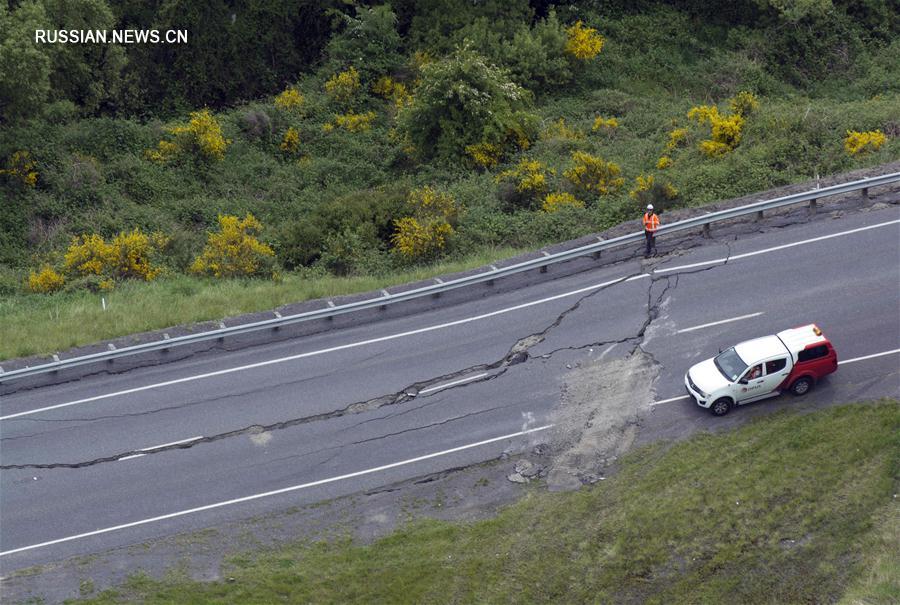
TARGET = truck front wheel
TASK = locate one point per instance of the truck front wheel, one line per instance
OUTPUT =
(720, 407)
(801, 386)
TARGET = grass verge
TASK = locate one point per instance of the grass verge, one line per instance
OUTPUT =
(34, 324)
(790, 508)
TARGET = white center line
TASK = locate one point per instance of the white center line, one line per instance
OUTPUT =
(716, 323)
(276, 492)
(450, 384)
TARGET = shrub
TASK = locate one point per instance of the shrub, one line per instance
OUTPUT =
(289, 100)
(235, 251)
(343, 86)
(583, 43)
(594, 175)
(391, 90)
(484, 155)
(46, 281)
(560, 130)
(351, 122)
(200, 137)
(529, 176)
(290, 142)
(130, 255)
(743, 103)
(606, 124)
(861, 142)
(21, 168)
(553, 202)
(648, 190)
(424, 235)
(369, 41)
(726, 131)
(256, 124)
(663, 162)
(677, 138)
(463, 100)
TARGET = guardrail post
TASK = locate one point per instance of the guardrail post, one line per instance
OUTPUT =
(865, 194)
(759, 215)
(812, 206)
(705, 229)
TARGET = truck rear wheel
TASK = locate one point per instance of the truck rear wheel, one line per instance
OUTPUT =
(720, 406)
(801, 386)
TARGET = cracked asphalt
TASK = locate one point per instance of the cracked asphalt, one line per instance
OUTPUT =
(589, 353)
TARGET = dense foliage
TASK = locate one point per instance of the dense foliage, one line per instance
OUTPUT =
(326, 120)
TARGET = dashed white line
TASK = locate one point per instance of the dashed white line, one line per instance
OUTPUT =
(156, 447)
(276, 492)
(855, 359)
(722, 321)
(670, 400)
(454, 383)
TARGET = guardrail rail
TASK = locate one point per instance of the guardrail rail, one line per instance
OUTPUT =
(703, 221)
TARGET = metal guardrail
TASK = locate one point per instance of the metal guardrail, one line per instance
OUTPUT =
(494, 273)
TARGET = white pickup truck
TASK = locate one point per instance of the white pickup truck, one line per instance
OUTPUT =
(764, 367)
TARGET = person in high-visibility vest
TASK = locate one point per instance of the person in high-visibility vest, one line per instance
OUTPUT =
(651, 224)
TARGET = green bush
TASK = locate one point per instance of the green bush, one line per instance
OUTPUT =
(369, 42)
(464, 100)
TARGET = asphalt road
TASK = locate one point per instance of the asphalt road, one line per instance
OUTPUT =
(113, 460)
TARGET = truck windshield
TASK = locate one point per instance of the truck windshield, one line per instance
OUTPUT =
(730, 364)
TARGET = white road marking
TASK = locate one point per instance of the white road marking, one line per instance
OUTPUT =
(454, 383)
(428, 328)
(130, 457)
(351, 345)
(156, 447)
(716, 323)
(276, 492)
(855, 359)
(670, 400)
(775, 248)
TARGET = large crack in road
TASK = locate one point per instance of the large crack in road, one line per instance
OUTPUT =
(518, 353)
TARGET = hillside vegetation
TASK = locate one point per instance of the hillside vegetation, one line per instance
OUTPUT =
(296, 141)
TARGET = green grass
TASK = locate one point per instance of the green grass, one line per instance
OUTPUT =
(790, 508)
(40, 324)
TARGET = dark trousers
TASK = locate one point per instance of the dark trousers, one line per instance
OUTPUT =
(651, 241)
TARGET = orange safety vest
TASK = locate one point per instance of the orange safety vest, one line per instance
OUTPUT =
(651, 222)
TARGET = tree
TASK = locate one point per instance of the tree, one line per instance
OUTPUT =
(24, 66)
(463, 100)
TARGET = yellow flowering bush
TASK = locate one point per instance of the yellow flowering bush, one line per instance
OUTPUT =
(725, 130)
(391, 90)
(743, 103)
(129, 255)
(351, 122)
(607, 124)
(425, 234)
(582, 42)
(557, 200)
(235, 251)
(677, 138)
(860, 142)
(289, 100)
(46, 281)
(417, 240)
(663, 162)
(484, 155)
(648, 190)
(21, 168)
(560, 130)
(290, 142)
(343, 85)
(593, 174)
(529, 177)
(201, 136)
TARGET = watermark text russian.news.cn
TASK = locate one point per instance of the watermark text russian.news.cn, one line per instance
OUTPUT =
(114, 36)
